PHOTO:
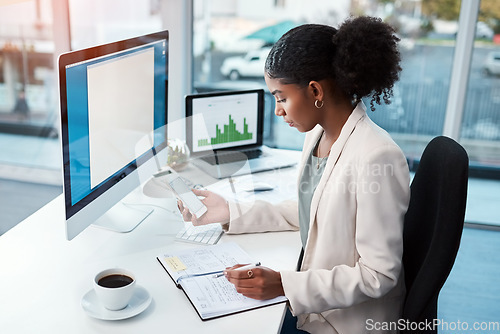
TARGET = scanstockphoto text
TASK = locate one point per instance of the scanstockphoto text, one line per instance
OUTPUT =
(435, 324)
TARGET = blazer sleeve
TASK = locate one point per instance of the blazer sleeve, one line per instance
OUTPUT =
(261, 216)
(382, 198)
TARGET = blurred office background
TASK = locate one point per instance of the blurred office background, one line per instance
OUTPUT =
(226, 43)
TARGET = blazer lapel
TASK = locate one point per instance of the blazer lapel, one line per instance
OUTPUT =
(335, 152)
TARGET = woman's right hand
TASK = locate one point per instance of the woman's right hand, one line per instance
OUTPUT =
(217, 209)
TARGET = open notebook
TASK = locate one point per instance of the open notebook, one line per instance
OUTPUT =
(195, 272)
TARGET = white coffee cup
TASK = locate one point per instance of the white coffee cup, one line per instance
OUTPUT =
(114, 288)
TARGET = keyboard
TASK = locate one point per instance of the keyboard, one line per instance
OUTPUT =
(204, 234)
(222, 158)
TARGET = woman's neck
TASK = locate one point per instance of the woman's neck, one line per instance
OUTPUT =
(335, 116)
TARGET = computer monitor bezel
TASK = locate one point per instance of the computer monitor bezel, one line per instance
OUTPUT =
(189, 119)
(73, 57)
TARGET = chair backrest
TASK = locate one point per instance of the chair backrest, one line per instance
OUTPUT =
(433, 225)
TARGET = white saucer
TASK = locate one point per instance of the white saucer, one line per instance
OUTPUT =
(139, 302)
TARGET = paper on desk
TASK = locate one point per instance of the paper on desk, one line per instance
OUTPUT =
(234, 189)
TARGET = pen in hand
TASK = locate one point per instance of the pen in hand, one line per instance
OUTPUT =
(245, 267)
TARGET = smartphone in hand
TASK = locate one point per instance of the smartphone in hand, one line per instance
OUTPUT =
(186, 195)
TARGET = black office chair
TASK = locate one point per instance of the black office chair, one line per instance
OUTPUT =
(433, 226)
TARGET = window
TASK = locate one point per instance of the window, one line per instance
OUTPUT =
(30, 162)
(97, 22)
(29, 158)
(480, 131)
(227, 35)
(28, 105)
(480, 128)
(225, 41)
(231, 40)
(429, 32)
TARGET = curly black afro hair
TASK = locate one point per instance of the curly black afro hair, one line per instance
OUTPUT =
(361, 56)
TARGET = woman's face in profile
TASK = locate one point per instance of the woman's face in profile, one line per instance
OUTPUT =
(293, 104)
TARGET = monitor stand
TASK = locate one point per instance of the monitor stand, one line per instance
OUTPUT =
(123, 217)
(134, 208)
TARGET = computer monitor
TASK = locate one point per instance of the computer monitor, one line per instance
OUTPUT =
(113, 128)
(227, 120)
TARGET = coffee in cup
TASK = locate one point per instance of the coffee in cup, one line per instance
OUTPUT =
(114, 288)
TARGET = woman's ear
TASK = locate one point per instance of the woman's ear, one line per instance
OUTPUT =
(317, 90)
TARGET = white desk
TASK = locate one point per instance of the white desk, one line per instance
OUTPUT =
(43, 276)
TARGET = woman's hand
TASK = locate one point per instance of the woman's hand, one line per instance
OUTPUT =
(217, 209)
(257, 283)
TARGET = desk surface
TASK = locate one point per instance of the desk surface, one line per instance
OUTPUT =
(44, 276)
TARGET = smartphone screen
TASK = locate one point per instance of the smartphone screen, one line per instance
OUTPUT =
(186, 195)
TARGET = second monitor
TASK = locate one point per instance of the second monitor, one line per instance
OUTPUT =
(224, 133)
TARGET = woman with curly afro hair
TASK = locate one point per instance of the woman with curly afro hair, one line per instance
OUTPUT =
(353, 183)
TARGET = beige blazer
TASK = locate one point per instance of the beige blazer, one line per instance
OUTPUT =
(351, 276)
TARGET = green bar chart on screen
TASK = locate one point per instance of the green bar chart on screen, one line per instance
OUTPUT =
(227, 133)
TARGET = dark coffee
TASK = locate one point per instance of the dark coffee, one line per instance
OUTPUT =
(114, 281)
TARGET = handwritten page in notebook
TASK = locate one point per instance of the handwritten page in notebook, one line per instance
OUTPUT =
(210, 295)
(203, 260)
(214, 297)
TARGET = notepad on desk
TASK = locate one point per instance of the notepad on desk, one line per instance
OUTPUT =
(195, 272)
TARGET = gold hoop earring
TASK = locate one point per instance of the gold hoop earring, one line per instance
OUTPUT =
(318, 105)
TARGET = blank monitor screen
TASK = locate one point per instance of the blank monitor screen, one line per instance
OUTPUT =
(113, 114)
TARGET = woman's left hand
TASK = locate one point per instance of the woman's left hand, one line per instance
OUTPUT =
(257, 283)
